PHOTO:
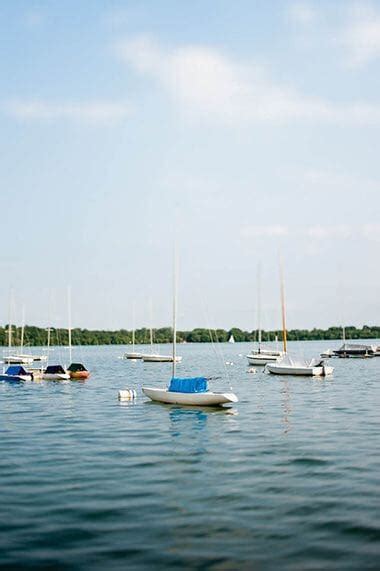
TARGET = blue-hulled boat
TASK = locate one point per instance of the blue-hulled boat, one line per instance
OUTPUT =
(15, 374)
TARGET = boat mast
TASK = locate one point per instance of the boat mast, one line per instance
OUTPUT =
(151, 328)
(283, 313)
(69, 320)
(174, 314)
(259, 303)
(22, 329)
(48, 330)
(343, 334)
(10, 322)
(133, 327)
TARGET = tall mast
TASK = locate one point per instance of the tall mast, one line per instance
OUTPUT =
(133, 327)
(174, 313)
(151, 322)
(10, 321)
(22, 329)
(283, 313)
(259, 303)
(48, 329)
(69, 320)
(343, 334)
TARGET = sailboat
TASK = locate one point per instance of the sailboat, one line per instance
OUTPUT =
(16, 373)
(133, 354)
(21, 358)
(53, 372)
(262, 356)
(191, 391)
(288, 365)
(75, 370)
(231, 339)
(157, 357)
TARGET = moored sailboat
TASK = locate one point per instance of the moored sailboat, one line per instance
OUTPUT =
(287, 365)
(262, 356)
(192, 391)
(55, 373)
(133, 355)
(74, 370)
(16, 373)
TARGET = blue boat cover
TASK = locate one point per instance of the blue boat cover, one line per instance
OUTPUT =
(190, 385)
(16, 370)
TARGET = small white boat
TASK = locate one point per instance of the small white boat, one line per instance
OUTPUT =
(132, 355)
(289, 366)
(264, 356)
(55, 373)
(157, 358)
(231, 339)
(208, 398)
(19, 359)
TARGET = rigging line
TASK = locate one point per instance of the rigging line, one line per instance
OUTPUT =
(217, 347)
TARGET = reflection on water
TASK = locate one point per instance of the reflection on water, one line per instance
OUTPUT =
(286, 405)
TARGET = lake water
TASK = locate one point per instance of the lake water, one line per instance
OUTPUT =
(288, 478)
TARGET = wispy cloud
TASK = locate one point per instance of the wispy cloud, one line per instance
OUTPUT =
(360, 35)
(205, 81)
(265, 231)
(92, 112)
(316, 232)
(302, 13)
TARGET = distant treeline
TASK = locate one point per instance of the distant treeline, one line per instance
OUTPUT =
(37, 336)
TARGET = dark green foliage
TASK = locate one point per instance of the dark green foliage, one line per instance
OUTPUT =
(37, 336)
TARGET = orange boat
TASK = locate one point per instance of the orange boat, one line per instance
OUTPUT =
(78, 371)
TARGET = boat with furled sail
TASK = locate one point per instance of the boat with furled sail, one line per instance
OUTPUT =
(133, 355)
(288, 365)
(300, 367)
(193, 391)
(75, 370)
(262, 356)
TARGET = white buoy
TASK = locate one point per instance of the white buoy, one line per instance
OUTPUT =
(252, 370)
(127, 394)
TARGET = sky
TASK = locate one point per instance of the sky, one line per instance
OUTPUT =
(244, 132)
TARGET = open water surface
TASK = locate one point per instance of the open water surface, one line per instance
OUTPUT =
(288, 478)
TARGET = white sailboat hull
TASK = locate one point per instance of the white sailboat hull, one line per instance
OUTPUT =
(160, 359)
(55, 376)
(18, 360)
(191, 399)
(262, 359)
(278, 369)
(133, 355)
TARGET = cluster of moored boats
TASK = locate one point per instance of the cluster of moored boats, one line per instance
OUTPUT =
(23, 371)
(20, 366)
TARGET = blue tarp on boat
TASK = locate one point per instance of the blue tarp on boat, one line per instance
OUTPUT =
(16, 370)
(190, 385)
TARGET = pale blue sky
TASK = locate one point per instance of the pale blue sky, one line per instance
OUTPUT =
(255, 124)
